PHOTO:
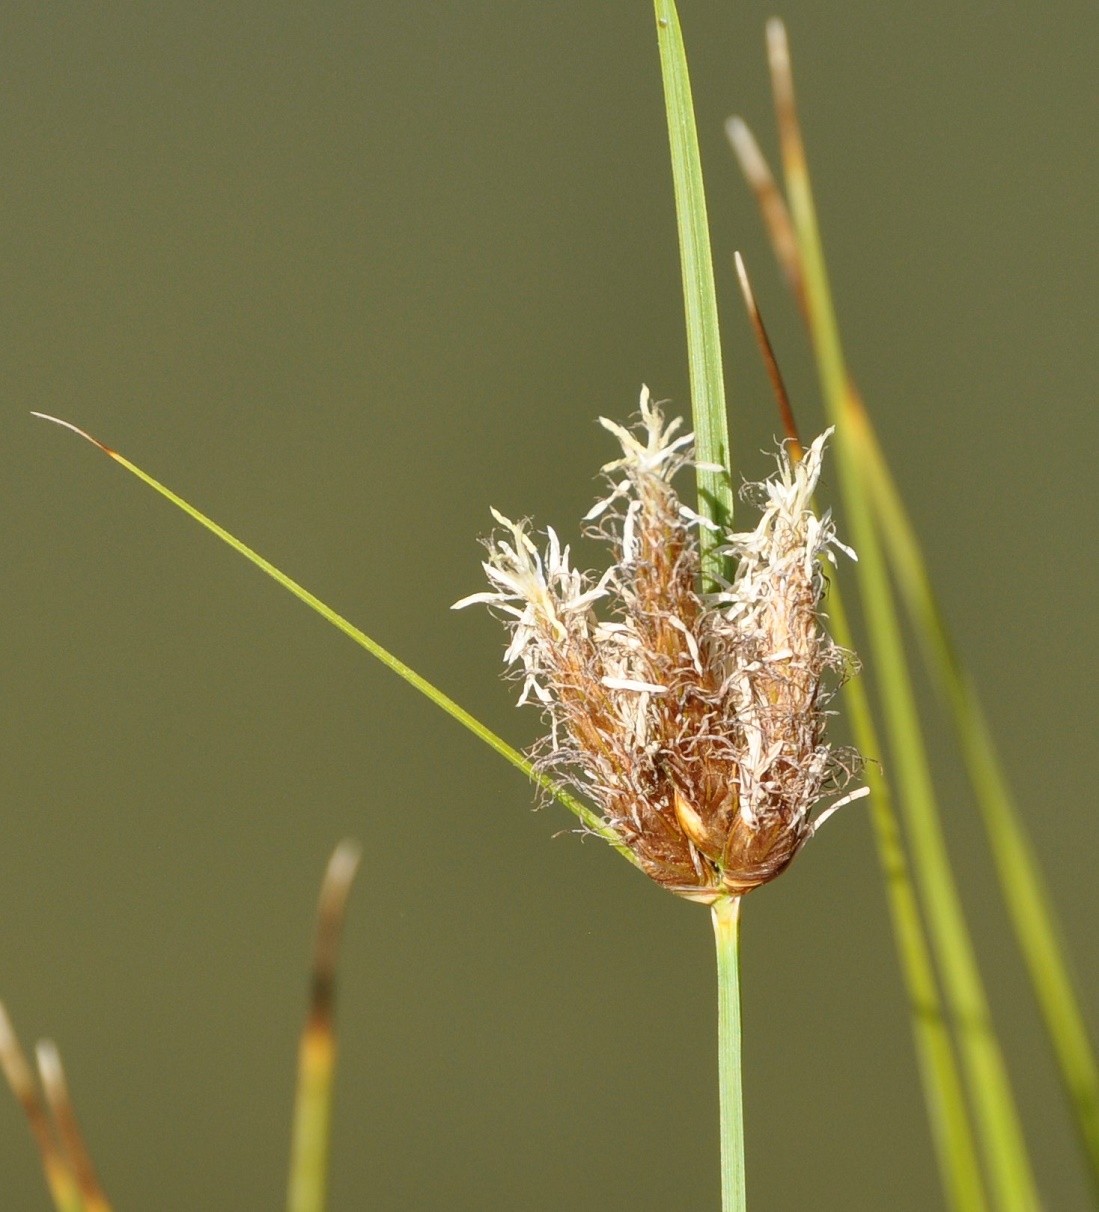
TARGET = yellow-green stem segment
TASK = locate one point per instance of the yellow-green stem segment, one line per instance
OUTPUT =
(726, 917)
(312, 1120)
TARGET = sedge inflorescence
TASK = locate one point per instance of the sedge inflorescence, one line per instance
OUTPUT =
(694, 721)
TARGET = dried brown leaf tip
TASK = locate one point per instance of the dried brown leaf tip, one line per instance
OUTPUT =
(696, 722)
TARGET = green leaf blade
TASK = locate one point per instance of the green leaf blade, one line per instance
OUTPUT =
(708, 409)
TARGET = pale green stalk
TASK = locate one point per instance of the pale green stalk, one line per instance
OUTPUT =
(1028, 903)
(997, 1119)
(726, 918)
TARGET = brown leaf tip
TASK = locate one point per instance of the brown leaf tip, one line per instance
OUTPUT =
(45, 416)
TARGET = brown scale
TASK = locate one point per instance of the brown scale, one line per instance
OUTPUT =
(676, 802)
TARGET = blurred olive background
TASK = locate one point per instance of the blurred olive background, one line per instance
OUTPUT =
(344, 275)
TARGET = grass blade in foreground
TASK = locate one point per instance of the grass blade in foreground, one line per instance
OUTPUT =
(948, 1115)
(317, 1051)
(951, 1131)
(587, 817)
(59, 1176)
(1029, 906)
(997, 1118)
(711, 426)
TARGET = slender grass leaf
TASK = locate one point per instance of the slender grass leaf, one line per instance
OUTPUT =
(1029, 905)
(998, 1124)
(587, 816)
(711, 426)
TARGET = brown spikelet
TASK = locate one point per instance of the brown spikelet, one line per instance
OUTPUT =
(694, 721)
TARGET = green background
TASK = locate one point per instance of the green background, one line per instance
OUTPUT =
(344, 275)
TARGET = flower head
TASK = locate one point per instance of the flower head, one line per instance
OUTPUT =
(694, 721)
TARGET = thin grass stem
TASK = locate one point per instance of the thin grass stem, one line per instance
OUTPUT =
(726, 919)
(710, 422)
(589, 818)
(715, 502)
(997, 1118)
(309, 1146)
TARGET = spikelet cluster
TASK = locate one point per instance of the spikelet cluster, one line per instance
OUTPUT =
(695, 722)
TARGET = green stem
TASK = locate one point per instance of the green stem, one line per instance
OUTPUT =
(726, 915)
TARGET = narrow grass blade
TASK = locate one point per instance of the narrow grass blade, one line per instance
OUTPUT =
(715, 490)
(61, 1107)
(947, 1112)
(59, 1175)
(587, 816)
(309, 1144)
(1029, 905)
(951, 1132)
(1030, 908)
(997, 1118)
(726, 919)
